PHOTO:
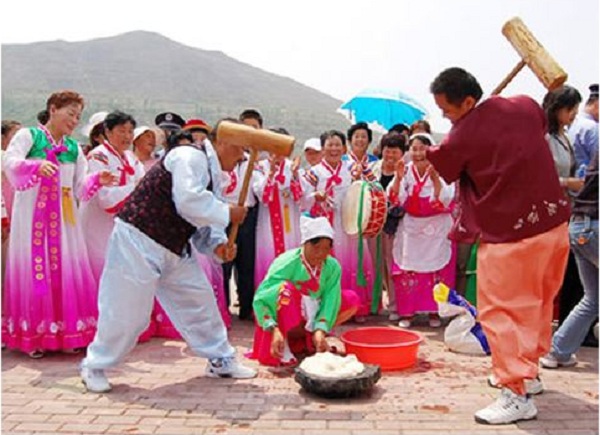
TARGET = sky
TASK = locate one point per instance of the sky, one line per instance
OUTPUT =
(340, 47)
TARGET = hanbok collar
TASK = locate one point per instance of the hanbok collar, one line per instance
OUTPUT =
(126, 166)
(418, 178)
(56, 147)
(280, 176)
(313, 272)
(335, 172)
(364, 161)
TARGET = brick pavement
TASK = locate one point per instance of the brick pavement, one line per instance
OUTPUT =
(160, 390)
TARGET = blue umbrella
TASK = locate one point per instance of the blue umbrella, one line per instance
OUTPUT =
(385, 107)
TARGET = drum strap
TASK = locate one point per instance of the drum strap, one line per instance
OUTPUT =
(360, 278)
(378, 284)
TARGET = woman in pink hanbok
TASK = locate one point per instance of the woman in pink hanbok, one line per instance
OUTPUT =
(361, 161)
(424, 253)
(277, 186)
(50, 292)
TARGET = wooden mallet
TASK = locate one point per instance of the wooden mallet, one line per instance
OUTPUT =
(256, 140)
(533, 54)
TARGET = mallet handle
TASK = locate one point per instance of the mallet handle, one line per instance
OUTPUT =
(509, 77)
(244, 193)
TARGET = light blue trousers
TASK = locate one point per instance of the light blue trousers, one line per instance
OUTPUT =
(136, 270)
(567, 340)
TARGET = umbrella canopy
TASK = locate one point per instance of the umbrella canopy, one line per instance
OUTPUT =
(384, 107)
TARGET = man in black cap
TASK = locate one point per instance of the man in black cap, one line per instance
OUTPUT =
(169, 122)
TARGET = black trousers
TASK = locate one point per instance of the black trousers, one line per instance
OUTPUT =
(244, 264)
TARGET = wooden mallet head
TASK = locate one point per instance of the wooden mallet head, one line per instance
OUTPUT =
(255, 139)
(532, 54)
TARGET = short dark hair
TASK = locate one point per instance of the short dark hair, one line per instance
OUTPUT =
(399, 128)
(393, 140)
(178, 136)
(422, 138)
(118, 118)
(560, 98)
(456, 84)
(43, 116)
(252, 114)
(331, 133)
(360, 126)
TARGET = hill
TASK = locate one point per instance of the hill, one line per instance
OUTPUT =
(145, 73)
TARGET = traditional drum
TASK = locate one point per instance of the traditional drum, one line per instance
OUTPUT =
(364, 218)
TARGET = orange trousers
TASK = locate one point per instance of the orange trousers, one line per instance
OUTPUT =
(516, 286)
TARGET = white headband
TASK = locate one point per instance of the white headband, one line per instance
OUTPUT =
(426, 135)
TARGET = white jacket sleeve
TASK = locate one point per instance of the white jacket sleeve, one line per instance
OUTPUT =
(190, 172)
(446, 193)
(111, 198)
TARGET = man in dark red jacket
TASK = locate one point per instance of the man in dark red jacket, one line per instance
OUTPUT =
(510, 195)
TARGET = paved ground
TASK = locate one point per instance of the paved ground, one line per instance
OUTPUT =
(160, 390)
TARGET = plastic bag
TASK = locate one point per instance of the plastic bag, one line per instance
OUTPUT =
(463, 334)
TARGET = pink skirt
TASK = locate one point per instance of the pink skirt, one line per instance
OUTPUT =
(414, 290)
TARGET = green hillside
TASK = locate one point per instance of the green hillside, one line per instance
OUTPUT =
(145, 73)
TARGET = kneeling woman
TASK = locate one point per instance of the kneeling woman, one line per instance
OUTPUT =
(300, 299)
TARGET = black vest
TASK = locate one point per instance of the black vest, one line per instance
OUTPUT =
(150, 208)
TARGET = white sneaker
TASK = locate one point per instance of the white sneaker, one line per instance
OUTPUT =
(532, 386)
(228, 368)
(404, 323)
(95, 380)
(393, 317)
(551, 362)
(508, 408)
